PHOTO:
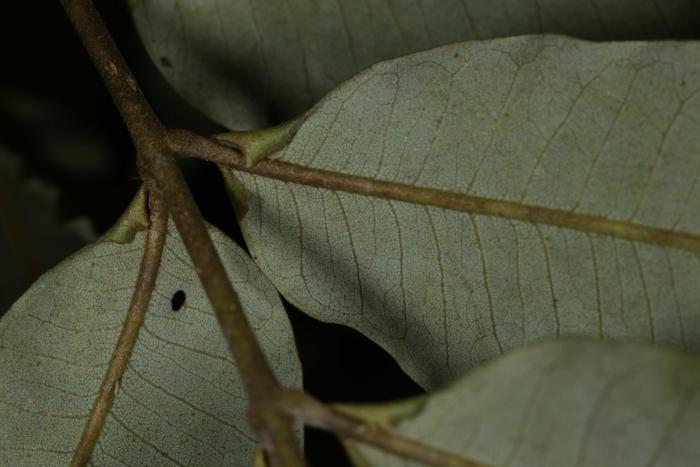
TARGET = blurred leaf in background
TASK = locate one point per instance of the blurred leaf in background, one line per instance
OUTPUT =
(32, 238)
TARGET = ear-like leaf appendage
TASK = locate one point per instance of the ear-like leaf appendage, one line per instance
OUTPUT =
(180, 401)
(243, 62)
(569, 170)
(556, 404)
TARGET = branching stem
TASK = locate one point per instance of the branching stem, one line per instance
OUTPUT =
(145, 283)
(159, 168)
(347, 427)
(272, 409)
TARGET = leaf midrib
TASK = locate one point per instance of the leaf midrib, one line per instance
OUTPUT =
(319, 178)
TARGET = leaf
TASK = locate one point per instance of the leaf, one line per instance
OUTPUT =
(560, 151)
(32, 239)
(245, 62)
(180, 401)
(556, 404)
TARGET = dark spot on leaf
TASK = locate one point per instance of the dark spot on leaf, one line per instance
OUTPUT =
(178, 300)
(165, 62)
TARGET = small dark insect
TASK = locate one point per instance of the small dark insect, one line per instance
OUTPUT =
(178, 300)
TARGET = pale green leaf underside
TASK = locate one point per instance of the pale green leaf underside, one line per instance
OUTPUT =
(179, 403)
(607, 129)
(559, 404)
(239, 60)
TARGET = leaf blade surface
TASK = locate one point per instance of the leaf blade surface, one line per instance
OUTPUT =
(180, 401)
(580, 128)
(553, 404)
(244, 63)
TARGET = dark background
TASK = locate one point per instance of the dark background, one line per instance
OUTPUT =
(55, 114)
